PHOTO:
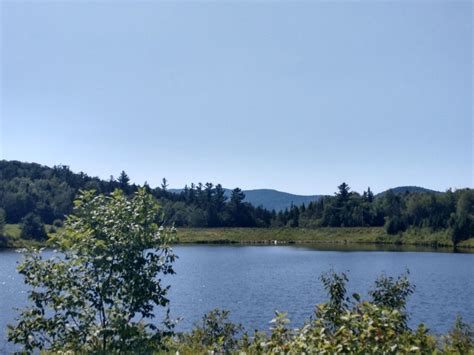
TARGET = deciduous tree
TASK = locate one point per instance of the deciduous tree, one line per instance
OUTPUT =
(100, 294)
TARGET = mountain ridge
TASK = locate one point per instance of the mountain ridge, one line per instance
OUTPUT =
(272, 199)
(407, 188)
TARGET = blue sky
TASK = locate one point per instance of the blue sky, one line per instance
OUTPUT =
(296, 96)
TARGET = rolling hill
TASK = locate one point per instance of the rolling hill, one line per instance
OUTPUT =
(270, 199)
(279, 200)
(404, 189)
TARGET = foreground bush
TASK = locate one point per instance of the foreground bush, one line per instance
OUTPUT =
(100, 294)
(343, 325)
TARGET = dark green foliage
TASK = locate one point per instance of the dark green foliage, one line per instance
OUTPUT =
(343, 194)
(123, 182)
(407, 189)
(238, 210)
(33, 228)
(3, 239)
(462, 221)
(49, 192)
(398, 212)
(462, 229)
(216, 332)
(164, 184)
(2, 221)
(461, 337)
(394, 225)
(369, 195)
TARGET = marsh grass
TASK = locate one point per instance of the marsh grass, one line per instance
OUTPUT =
(359, 235)
(270, 236)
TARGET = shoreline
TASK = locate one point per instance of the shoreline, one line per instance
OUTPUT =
(340, 236)
(375, 236)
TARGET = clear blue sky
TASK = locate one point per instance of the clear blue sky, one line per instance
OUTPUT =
(296, 96)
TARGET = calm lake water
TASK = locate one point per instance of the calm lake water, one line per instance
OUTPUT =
(254, 281)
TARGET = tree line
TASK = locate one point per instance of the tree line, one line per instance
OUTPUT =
(32, 194)
(397, 212)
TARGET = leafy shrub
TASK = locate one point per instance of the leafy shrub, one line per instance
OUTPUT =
(33, 228)
(335, 285)
(393, 293)
(100, 296)
(215, 333)
(461, 338)
(344, 325)
(395, 225)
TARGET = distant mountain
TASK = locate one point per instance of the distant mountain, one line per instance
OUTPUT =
(278, 200)
(271, 199)
(403, 189)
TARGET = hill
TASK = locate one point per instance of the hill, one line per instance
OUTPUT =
(270, 199)
(277, 200)
(404, 189)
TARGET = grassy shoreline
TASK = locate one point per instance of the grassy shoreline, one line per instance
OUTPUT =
(326, 235)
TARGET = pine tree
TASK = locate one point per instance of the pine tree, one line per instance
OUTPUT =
(343, 194)
(164, 184)
(370, 195)
(124, 181)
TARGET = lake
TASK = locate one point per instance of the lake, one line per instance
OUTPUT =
(254, 281)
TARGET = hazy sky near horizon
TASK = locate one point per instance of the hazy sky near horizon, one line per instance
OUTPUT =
(295, 96)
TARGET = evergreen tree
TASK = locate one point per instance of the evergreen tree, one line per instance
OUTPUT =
(219, 198)
(370, 195)
(237, 196)
(164, 184)
(124, 181)
(463, 227)
(240, 212)
(343, 194)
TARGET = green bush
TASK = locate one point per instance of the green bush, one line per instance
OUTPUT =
(461, 338)
(2, 222)
(343, 325)
(100, 295)
(215, 333)
(393, 294)
(395, 225)
(33, 228)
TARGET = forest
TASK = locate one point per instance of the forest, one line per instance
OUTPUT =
(33, 195)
